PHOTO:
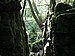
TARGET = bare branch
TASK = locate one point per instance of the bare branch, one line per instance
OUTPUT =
(35, 17)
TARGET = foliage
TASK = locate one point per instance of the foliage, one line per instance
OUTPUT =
(42, 7)
(32, 29)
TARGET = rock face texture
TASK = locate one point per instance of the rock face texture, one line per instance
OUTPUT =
(64, 32)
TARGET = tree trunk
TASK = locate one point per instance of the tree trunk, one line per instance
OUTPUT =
(12, 36)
